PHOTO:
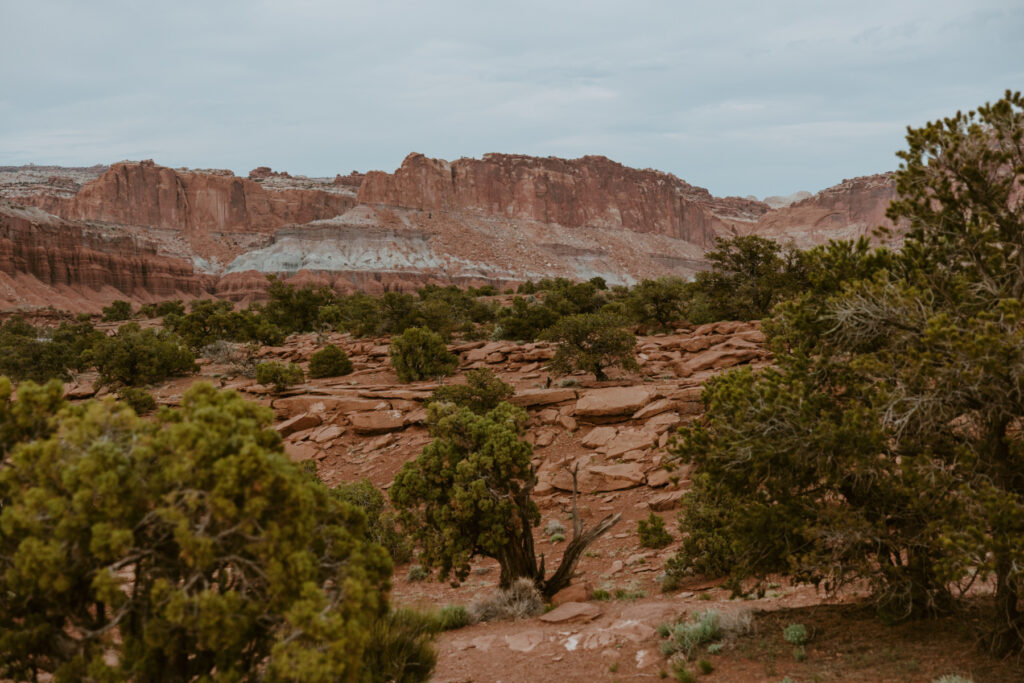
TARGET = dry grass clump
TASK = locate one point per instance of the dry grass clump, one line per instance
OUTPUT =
(521, 600)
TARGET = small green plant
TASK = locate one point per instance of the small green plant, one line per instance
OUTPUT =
(419, 354)
(554, 527)
(329, 361)
(482, 392)
(416, 573)
(279, 375)
(714, 648)
(685, 637)
(614, 667)
(117, 311)
(557, 538)
(452, 617)
(139, 399)
(681, 673)
(630, 593)
(652, 532)
(601, 595)
(795, 634)
(705, 666)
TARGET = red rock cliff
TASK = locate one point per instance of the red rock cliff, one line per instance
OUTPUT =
(849, 210)
(149, 195)
(591, 191)
(47, 261)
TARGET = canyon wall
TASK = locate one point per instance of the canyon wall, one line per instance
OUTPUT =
(849, 210)
(141, 231)
(578, 193)
(146, 194)
(48, 261)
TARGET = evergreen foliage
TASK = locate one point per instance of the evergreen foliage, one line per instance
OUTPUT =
(419, 354)
(591, 343)
(136, 357)
(117, 311)
(883, 445)
(481, 393)
(279, 375)
(468, 494)
(188, 545)
(329, 361)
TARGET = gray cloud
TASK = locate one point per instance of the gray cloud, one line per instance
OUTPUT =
(743, 98)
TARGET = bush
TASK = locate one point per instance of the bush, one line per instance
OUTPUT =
(419, 354)
(230, 561)
(795, 634)
(382, 525)
(117, 311)
(591, 343)
(481, 393)
(521, 600)
(329, 361)
(652, 532)
(400, 648)
(136, 357)
(416, 573)
(27, 354)
(453, 617)
(658, 302)
(468, 494)
(139, 399)
(280, 375)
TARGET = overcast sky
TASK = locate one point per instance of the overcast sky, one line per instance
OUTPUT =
(739, 97)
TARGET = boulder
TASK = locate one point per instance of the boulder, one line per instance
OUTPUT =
(300, 452)
(298, 423)
(669, 500)
(629, 440)
(577, 592)
(572, 611)
(613, 401)
(378, 422)
(328, 433)
(662, 405)
(601, 478)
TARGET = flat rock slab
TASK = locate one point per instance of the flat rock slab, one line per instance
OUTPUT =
(298, 423)
(378, 422)
(542, 397)
(613, 402)
(572, 611)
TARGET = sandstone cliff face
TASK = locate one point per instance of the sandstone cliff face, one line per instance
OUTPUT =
(589, 192)
(149, 195)
(851, 209)
(47, 261)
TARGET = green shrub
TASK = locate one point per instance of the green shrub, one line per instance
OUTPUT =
(591, 343)
(137, 357)
(416, 573)
(382, 522)
(329, 361)
(139, 399)
(28, 353)
(252, 569)
(117, 311)
(652, 532)
(705, 666)
(795, 634)
(401, 648)
(280, 375)
(453, 617)
(482, 392)
(601, 595)
(419, 354)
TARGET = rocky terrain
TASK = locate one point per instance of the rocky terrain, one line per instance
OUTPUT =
(367, 424)
(140, 231)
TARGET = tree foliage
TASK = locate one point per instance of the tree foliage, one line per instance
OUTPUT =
(329, 361)
(658, 302)
(117, 311)
(592, 343)
(419, 354)
(188, 545)
(278, 375)
(481, 393)
(136, 357)
(886, 443)
(468, 494)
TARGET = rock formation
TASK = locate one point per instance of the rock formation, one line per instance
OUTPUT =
(851, 209)
(496, 220)
(577, 193)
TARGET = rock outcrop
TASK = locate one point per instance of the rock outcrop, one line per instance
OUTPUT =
(578, 193)
(851, 209)
(77, 266)
(145, 194)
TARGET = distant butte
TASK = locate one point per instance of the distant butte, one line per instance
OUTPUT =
(144, 232)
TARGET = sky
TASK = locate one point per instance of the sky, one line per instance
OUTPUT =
(743, 98)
